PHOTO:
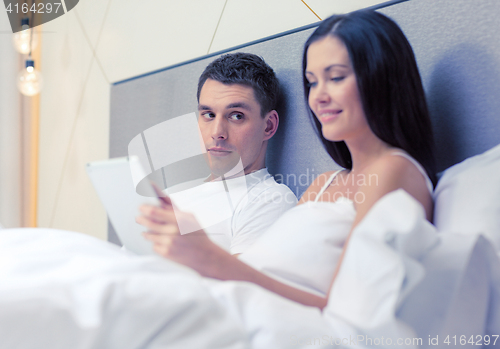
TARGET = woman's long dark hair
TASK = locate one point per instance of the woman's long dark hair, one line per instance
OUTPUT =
(389, 85)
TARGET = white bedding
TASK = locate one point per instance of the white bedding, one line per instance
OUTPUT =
(61, 289)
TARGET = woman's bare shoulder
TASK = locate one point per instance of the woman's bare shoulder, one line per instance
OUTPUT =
(314, 188)
(398, 172)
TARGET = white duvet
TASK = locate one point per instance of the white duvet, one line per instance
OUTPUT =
(61, 289)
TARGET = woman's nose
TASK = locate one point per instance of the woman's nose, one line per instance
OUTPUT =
(320, 94)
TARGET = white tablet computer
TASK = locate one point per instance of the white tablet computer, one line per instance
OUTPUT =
(112, 179)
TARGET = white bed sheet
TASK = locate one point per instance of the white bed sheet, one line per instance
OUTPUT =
(60, 289)
(65, 290)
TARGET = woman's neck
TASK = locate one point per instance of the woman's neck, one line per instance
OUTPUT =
(365, 150)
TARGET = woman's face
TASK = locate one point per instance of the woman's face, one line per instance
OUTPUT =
(333, 95)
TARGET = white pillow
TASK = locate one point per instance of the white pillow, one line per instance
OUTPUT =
(467, 197)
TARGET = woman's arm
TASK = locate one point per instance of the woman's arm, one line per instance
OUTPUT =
(198, 252)
(388, 173)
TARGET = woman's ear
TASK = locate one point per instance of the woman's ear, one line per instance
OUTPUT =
(272, 121)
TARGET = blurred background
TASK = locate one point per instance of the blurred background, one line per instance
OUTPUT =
(46, 139)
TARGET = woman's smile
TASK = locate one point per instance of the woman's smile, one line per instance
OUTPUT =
(328, 115)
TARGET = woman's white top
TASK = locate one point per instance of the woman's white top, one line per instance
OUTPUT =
(303, 246)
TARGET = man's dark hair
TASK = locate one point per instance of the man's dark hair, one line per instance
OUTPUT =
(389, 85)
(245, 69)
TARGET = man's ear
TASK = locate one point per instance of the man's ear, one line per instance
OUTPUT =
(272, 121)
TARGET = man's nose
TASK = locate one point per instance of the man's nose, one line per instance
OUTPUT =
(219, 128)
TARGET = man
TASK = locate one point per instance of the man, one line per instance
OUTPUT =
(237, 97)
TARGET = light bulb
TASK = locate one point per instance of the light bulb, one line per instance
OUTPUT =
(22, 39)
(29, 80)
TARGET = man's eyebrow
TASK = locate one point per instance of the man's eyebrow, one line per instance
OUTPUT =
(241, 105)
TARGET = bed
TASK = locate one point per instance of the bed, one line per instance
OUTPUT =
(416, 285)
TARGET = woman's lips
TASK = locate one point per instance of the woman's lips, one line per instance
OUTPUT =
(329, 115)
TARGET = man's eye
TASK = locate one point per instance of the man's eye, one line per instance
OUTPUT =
(208, 115)
(236, 116)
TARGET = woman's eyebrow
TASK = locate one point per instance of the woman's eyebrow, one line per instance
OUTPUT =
(327, 69)
(336, 66)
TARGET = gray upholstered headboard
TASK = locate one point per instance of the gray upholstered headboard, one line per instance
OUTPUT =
(457, 47)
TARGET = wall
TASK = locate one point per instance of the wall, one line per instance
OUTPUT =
(10, 130)
(104, 41)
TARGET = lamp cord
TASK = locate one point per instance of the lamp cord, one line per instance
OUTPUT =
(33, 3)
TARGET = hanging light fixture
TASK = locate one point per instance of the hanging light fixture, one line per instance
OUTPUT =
(30, 80)
(26, 39)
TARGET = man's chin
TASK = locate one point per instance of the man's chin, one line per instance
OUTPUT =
(226, 167)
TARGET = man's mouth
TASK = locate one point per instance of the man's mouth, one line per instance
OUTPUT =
(219, 151)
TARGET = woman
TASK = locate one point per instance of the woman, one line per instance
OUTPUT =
(364, 91)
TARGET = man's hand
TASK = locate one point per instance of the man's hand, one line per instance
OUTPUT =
(194, 249)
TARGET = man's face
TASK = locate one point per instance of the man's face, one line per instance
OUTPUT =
(232, 127)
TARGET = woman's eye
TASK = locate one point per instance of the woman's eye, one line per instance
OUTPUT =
(338, 78)
(311, 84)
(236, 116)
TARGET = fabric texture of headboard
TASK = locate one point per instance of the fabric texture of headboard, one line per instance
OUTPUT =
(456, 43)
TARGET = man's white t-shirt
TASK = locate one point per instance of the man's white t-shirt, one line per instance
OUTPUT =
(236, 211)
